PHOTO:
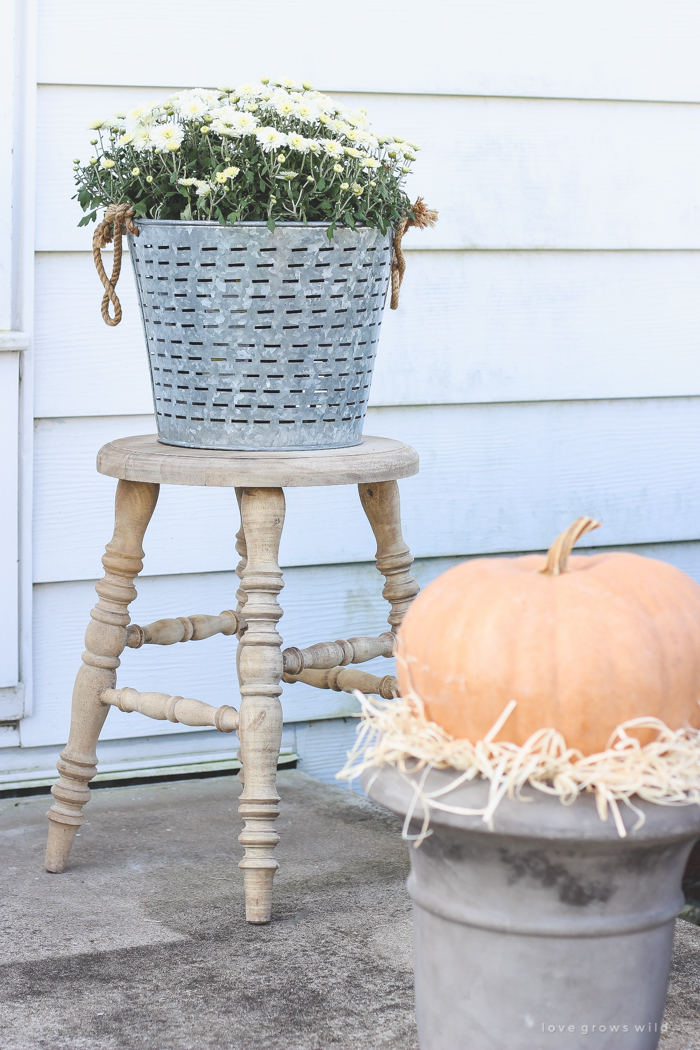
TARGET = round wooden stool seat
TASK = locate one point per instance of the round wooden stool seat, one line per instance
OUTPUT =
(144, 458)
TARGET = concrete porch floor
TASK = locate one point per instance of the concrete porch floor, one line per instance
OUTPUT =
(142, 944)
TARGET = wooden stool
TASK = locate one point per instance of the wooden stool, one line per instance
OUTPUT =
(142, 465)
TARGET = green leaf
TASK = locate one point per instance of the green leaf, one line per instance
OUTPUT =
(270, 224)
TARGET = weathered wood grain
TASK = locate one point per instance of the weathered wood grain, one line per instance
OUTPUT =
(144, 458)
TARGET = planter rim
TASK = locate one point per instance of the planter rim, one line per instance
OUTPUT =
(545, 817)
(257, 223)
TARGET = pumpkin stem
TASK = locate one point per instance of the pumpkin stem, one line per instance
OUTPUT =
(558, 556)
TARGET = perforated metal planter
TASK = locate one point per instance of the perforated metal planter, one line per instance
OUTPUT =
(260, 340)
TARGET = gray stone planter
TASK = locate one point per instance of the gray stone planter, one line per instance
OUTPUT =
(547, 931)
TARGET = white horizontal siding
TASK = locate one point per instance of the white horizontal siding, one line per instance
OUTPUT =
(471, 327)
(319, 603)
(498, 477)
(503, 173)
(544, 360)
(601, 49)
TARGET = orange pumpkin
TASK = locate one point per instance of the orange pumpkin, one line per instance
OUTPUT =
(582, 644)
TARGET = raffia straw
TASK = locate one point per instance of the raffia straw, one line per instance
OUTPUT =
(397, 733)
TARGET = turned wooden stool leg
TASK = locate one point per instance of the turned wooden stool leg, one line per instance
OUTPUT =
(260, 671)
(382, 505)
(241, 599)
(105, 639)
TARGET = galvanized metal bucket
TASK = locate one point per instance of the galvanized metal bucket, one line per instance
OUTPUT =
(260, 340)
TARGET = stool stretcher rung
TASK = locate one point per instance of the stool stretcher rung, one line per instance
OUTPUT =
(346, 680)
(181, 629)
(326, 655)
(181, 709)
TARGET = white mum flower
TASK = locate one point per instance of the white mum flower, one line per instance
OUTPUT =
(371, 163)
(355, 116)
(270, 138)
(285, 107)
(314, 146)
(341, 127)
(248, 90)
(298, 142)
(325, 103)
(106, 164)
(352, 152)
(192, 109)
(352, 135)
(206, 94)
(230, 173)
(143, 114)
(291, 84)
(307, 111)
(203, 189)
(233, 122)
(97, 125)
(227, 115)
(246, 122)
(332, 148)
(366, 139)
(167, 136)
(126, 138)
(141, 139)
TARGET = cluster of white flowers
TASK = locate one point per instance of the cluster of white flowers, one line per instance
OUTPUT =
(314, 122)
(300, 155)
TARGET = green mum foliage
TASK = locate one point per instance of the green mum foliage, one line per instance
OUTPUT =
(276, 152)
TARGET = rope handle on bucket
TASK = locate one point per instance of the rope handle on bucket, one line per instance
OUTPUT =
(422, 217)
(117, 221)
